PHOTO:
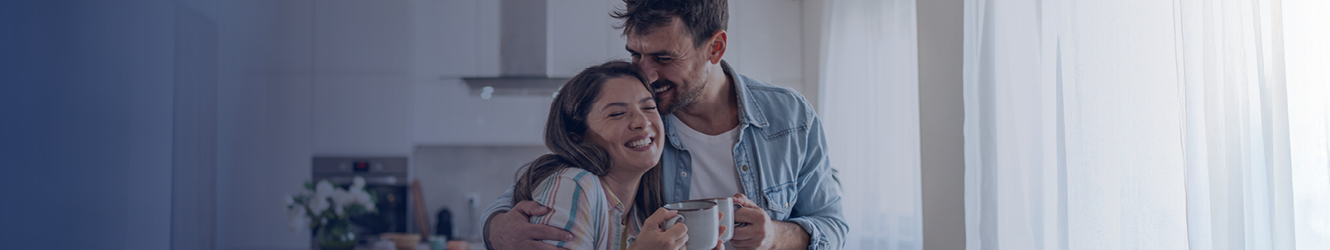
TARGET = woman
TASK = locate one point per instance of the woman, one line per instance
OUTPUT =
(602, 179)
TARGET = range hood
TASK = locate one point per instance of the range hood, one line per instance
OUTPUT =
(524, 56)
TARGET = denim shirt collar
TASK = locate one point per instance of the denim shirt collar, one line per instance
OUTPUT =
(749, 113)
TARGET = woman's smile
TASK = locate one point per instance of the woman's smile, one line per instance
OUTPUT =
(641, 143)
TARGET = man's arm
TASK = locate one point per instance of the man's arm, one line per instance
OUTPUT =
(789, 236)
(816, 221)
(508, 226)
(499, 206)
(818, 210)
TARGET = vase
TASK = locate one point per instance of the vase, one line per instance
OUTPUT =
(336, 235)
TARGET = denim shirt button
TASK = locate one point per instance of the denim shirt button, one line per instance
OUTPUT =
(684, 174)
(745, 167)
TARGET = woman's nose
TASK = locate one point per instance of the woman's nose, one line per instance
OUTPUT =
(640, 120)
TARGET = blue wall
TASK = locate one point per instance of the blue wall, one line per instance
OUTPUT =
(87, 114)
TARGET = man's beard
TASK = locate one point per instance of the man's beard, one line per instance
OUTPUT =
(682, 97)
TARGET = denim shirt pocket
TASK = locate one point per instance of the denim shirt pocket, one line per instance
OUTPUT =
(780, 199)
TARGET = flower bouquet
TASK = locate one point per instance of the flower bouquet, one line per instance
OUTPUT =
(327, 210)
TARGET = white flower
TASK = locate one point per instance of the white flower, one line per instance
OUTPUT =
(319, 204)
(363, 199)
(323, 189)
(298, 222)
(322, 192)
(339, 199)
(358, 183)
(343, 199)
(325, 202)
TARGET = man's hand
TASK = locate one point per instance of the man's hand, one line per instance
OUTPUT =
(761, 233)
(514, 230)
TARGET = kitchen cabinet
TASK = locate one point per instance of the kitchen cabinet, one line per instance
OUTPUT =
(362, 64)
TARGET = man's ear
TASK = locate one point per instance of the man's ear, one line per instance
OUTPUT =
(718, 44)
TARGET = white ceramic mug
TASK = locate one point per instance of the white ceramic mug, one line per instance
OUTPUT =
(703, 221)
(726, 206)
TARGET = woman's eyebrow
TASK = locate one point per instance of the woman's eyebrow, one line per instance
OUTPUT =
(614, 104)
(624, 104)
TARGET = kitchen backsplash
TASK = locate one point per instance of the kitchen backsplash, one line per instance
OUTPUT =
(448, 174)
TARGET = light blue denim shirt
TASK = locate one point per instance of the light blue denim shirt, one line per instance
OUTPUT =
(780, 157)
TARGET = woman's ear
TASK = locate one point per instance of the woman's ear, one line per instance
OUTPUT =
(575, 137)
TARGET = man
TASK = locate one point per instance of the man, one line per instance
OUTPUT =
(727, 135)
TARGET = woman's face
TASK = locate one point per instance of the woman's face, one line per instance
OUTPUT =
(624, 122)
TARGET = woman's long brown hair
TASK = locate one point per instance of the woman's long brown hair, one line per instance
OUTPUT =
(564, 132)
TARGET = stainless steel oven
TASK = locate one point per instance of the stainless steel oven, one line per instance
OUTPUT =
(385, 178)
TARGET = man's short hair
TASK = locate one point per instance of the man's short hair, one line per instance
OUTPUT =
(701, 18)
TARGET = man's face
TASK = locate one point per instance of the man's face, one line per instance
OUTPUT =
(675, 68)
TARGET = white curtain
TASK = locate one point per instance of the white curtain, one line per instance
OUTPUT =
(1307, 70)
(870, 112)
(1146, 124)
(1015, 171)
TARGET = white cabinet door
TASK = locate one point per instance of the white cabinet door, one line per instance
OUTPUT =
(362, 60)
(582, 34)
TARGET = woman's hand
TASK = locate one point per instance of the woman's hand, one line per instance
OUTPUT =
(720, 244)
(653, 237)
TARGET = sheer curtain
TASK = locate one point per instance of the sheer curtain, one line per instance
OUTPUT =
(1014, 174)
(1146, 124)
(1308, 83)
(870, 112)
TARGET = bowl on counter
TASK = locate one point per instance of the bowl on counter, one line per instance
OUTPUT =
(403, 241)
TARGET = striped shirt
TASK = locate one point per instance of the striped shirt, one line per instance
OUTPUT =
(584, 206)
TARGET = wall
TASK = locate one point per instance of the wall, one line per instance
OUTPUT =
(194, 135)
(450, 174)
(941, 114)
(264, 119)
(812, 30)
(86, 106)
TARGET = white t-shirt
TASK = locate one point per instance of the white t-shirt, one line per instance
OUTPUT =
(713, 173)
